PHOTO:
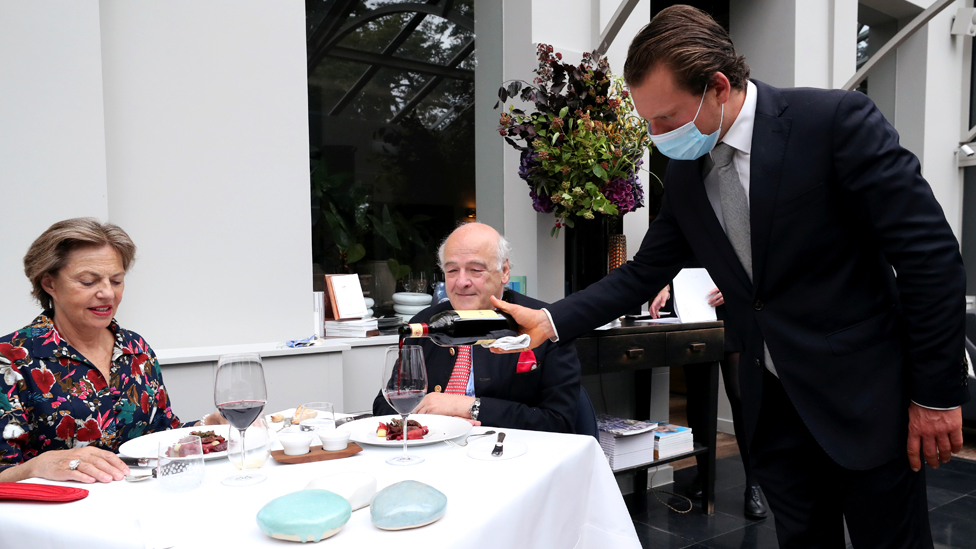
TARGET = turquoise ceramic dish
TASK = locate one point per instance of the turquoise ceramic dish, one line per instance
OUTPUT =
(407, 504)
(308, 515)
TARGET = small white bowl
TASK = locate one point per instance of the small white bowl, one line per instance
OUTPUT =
(412, 298)
(296, 443)
(333, 441)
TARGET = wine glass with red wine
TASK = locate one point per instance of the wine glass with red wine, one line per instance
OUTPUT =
(404, 386)
(240, 395)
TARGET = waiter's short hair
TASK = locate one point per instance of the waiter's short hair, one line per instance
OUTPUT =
(689, 42)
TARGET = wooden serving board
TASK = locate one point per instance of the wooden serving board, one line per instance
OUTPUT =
(316, 453)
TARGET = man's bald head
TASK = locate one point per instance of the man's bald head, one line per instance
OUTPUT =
(475, 261)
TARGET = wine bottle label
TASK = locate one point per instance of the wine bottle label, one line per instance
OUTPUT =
(478, 314)
(418, 330)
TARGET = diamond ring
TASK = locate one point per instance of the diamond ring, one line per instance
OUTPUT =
(73, 464)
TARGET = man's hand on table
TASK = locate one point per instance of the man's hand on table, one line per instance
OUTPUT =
(937, 432)
(443, 404)
(534, 322)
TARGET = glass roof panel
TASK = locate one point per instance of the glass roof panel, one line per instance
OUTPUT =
(387, 93)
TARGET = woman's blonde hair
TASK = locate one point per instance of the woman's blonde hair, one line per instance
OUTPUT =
(49, 253)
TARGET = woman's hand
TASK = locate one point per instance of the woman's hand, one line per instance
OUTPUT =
(96, 465)
(213, 419)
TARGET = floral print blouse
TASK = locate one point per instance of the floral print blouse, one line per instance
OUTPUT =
(53, 398)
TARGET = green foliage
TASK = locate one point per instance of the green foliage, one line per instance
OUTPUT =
(583, 145)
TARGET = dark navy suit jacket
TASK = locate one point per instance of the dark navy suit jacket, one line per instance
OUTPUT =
(543, 399)
(837, 208)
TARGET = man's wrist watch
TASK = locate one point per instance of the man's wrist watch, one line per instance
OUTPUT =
(475, 409)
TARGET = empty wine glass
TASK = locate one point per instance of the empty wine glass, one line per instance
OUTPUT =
(404, 386)
(419, 283)
(240, 394)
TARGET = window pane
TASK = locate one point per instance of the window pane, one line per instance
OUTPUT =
(392, 139)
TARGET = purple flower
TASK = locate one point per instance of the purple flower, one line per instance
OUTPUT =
(541, 202)
(527, 161)
(620, 192)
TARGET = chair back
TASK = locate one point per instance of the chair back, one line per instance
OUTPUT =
(586, 416)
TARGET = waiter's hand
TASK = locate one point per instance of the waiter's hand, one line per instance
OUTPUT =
(654, 307)
(937, 432)
(534, 322)
(443, 404)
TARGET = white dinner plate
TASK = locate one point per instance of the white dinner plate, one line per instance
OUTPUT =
(441, 428)
(147, 446)
(481, 449)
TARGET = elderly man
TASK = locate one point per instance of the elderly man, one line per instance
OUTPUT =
(528, 391)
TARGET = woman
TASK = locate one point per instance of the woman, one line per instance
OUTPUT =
(75, 385)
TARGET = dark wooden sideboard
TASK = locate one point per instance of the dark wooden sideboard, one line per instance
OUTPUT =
(641, 347)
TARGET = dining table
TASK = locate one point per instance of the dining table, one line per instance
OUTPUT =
(560, 493)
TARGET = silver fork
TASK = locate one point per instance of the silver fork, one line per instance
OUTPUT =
(464, 442)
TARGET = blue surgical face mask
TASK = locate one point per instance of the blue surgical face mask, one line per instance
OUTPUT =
(687, 142)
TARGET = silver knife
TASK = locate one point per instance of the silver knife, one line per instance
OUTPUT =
(497, 452)
(135, 462)
(138, 478)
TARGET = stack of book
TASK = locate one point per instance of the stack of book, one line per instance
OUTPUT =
(671, 440)
(626, 442)
(389, 325)
(351, 328)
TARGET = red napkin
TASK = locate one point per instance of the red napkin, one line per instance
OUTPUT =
(526, 362)
(40, 492)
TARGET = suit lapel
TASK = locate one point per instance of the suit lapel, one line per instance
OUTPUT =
(769, 137)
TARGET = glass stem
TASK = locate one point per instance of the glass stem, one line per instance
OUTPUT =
(243, 454)
(405, 435)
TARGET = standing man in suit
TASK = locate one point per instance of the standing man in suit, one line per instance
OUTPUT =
(802, 206)
(535, 390)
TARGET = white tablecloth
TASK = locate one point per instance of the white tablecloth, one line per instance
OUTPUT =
(560, 494)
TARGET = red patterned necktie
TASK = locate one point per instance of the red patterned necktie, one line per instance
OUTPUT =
(458, 384)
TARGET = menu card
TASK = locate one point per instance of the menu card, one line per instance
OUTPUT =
(691, 288)
(344, 297)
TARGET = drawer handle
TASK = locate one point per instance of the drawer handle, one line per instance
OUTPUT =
(634, 353)
(697, 347)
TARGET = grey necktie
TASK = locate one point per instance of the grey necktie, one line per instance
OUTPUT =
(735, 213)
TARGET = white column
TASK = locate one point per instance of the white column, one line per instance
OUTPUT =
(944, 85)
(206, 124)
(52, 137)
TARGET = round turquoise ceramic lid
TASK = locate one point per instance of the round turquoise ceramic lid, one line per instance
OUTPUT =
(307, 514)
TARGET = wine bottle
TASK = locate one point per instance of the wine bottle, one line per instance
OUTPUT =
(451, 328)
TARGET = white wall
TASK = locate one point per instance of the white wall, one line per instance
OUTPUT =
(52, 138)
(185, 122)
(206, 122)
(944, 85)
(763, 31)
